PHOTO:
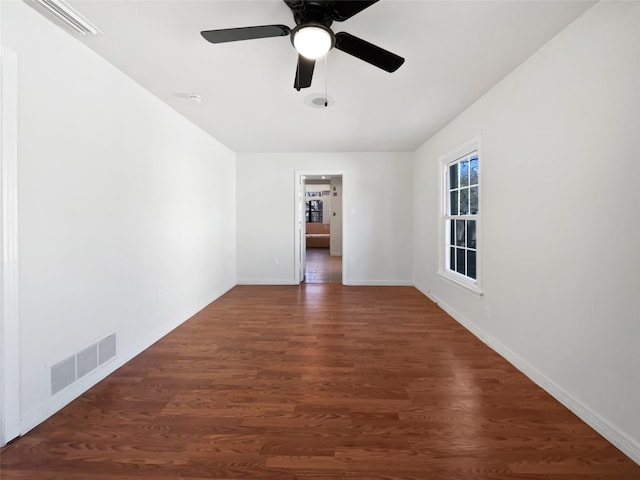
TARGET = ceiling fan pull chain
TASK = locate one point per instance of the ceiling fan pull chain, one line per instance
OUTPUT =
(326, 98)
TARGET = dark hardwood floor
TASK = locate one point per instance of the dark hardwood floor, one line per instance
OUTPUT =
(316, 382)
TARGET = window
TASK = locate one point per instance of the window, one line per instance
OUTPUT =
(461, 216)
(313, 211)
(315, 206)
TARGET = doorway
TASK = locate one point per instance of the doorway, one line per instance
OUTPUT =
(319, 232)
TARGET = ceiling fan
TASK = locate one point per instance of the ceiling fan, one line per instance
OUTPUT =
(312, 36)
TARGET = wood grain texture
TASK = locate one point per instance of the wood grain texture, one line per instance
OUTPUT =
(320, 381)
(321, 267)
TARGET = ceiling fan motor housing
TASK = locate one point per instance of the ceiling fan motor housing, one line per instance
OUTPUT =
(311, 12)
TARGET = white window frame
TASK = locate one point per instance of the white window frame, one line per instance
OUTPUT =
(459, 153)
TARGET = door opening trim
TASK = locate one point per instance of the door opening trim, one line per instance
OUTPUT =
(298, 225)
(10, 427)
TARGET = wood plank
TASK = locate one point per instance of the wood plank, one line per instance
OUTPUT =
(318, 381)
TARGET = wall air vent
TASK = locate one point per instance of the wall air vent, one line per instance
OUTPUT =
(79, 364)
(107, 348)
(86, 360)
(63, 374)
(65, 15)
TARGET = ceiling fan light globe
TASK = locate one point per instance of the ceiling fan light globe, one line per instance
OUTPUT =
(312, 42)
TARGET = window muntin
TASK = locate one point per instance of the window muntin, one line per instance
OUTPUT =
(461, 217)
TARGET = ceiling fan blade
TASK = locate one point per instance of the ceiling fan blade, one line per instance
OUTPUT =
(304, 73)
(245, 33)
(368, 52)
(345, 9)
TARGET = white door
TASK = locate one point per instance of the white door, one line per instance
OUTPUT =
(302, 229)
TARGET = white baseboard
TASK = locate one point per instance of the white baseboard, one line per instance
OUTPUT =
(621, 440)
(354, 283)
(58, 401)
(267, 281)
(378, 283)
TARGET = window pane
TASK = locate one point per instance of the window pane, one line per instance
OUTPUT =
(473, 201)
(452, 259)
(452, 232)
(471, 234)
(460, 261)
(473, 166)
(464, 201)
(464, 173)
(460, 233)
(453, 176)
(471, 264)
(453, 203)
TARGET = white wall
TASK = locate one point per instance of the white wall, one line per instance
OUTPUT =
(126, 211)
(376, 227)
(561, 185)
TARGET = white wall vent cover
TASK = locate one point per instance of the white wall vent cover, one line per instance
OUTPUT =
(106, 348)
(78, 365)
(86, 360)
(63, 374)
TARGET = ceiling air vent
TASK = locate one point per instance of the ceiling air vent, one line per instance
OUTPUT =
(65, 15)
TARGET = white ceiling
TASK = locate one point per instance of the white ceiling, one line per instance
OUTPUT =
(455, 51)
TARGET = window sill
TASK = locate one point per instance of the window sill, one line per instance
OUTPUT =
(464, 284)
